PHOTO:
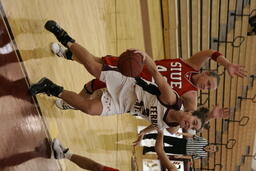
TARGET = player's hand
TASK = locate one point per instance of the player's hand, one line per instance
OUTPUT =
(236, 70)
(219, 112)
(140, 137)
(142, 53)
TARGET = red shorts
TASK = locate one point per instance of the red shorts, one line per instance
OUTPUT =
(109, 169)
(112, 60)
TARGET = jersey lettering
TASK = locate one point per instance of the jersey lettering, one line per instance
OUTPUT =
(176, 64)
(161, 68)
(153, 115)
(175, 75)
(145, 112)
(138, 106)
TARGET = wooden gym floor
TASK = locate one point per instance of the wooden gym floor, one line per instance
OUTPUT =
(103, 27)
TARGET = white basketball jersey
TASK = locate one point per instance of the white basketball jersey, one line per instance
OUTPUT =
(149, 107)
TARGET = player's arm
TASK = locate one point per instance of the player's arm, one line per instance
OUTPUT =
(199, 59)
(182, 157)
(190, 101)
(161, 154)
(146, 130)
(167, 95)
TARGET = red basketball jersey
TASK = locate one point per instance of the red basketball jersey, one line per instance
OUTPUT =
(176, 71)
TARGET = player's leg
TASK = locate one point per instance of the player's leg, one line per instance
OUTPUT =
(65, 53)
(86, 58)
(86, 163)
(83, 162)
(89, 106)
(92, 107)
(83, 55)
(85, 93)
(92, 89)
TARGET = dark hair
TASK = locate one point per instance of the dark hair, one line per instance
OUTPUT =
(215, 75)
(202, 114)
(207, 125)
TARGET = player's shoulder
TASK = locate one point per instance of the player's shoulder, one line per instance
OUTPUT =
(177, 62)
(189, 64)
(190, 94)
(184, 62)
(169, 60)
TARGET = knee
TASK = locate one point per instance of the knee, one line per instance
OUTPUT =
(96, 70)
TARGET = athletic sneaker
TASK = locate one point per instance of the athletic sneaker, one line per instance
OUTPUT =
(58, 50)
(58, 150)
(61, 51)
(45, 86)
(59, 32)
(61, 104)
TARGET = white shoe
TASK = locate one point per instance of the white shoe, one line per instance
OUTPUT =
(61, 104)
(58, 150)
(58, 50)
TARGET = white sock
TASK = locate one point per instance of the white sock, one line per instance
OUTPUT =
(68, 155)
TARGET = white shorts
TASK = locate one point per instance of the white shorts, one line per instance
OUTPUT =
(119, 97)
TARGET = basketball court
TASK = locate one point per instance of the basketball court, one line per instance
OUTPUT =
(164, 29)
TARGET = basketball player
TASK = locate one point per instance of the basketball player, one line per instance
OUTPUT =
(182, 75)
(216, 112)
(123, 94)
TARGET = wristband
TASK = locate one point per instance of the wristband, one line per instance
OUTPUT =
(215, 55)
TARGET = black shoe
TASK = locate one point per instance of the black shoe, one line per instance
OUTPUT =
(59, 32)
(45, 86)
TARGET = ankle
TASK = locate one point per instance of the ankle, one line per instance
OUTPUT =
(69, 44)
(68, 155)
